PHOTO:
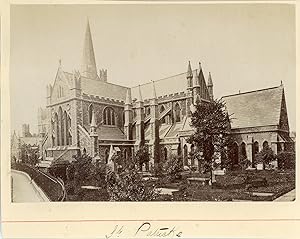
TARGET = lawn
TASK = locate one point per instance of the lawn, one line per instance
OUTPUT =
(261, 186)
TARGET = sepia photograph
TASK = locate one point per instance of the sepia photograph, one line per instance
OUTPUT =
(152, 103)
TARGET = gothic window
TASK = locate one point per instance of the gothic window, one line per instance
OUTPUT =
(109, 117)
(162, 109)
(56, 123)
(185, 154)
(192, 152)
(243, 151)
(265, 144)
(177, 113)
(61, 126)
(148, 111)
(91, 109)
(106, 155)
(165, 153)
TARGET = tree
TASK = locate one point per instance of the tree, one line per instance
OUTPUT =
(211, 123)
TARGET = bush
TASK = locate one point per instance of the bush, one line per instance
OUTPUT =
(286, 160)
(172, 167)
(128, 185)
(265, 156)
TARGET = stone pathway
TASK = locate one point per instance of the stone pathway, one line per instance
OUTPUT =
(25, 190)
(167, 191)
(288, 197)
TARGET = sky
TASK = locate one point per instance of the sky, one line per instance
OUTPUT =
(244, 46)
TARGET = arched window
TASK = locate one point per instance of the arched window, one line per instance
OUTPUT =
(255, 150)
(235, 153)
(243, 151)
(265, 144)
(165, 154)
(53, 134)
(109, 117)
(192, 152)
(56, 123)
(185, 154)
(179, 150)
(91, 109)
(148, 111)
(177, 112)
(162, 109)
(66, 128)
(61, 120)
(106, 155)
(69, 136)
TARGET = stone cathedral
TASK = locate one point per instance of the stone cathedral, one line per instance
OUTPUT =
(87, 113)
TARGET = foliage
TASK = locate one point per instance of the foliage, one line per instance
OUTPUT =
(172, 167)
(142, 156)
(128, 185)
(286, 160)
(29, 154)
(212, 127)
(265, 156)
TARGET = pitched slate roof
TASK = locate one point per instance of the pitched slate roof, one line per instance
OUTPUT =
(255, 108)
(100, 88)
(107, 132)
(34, 140)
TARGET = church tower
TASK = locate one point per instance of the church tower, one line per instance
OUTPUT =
(88, 65)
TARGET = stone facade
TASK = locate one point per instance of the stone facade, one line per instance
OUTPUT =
(156, 114)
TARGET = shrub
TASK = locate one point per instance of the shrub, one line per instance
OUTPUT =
(265, 156)
(128, 185)
(172, 167)
(286, 160)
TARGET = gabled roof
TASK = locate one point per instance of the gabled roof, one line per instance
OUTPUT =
(165, 86)
(101, 88)
(255, 108)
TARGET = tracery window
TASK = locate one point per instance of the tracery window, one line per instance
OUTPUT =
(109, 117)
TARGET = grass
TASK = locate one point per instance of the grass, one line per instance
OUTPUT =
(233, 186)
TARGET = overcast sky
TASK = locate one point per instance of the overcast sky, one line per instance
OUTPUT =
(244, 46)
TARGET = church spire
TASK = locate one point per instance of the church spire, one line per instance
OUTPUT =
(88, 67)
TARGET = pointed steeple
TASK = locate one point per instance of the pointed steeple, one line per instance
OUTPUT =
(189, 73)
(153, 91)
(139, 99)
(128, 99)
(209, 81)
(88, 67)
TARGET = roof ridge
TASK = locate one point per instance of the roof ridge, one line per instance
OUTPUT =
(147, 83)
(252, 91)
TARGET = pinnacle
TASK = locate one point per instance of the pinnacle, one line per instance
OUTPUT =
(128, 97)
(189, 73)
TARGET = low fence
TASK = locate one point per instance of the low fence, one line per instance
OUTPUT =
(52, 187)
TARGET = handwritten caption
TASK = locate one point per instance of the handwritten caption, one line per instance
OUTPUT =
(145, 230)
